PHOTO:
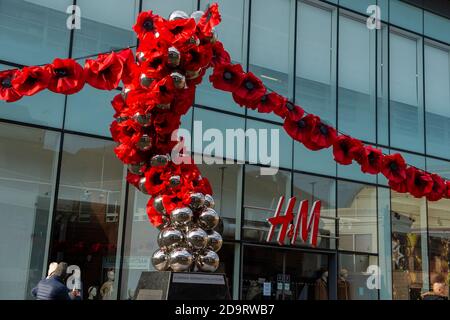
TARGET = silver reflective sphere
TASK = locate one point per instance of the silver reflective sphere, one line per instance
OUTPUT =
(208, 219)
(135, 168)
(141, 57)
(158, 205)
(178, 80)
(209, 201)
(215, 241)
(144, 143)
(174, 57)
(125, 92)
(163, 106)
(197, 200)
(142, 185)
(145, 81)
(159, 160)
(181, 217)
(197, 238)
(180, 260)
(165, 223)
(170, 237)
(208, 261)
(174, 181)
(178, 14)
(196, 15)
(160, 260)
(143, 119)
(121, 119)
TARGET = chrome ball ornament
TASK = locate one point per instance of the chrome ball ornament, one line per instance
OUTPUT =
(207, 261)
(215, 241)
(141, 185)
(178, 14)
(159, 161)
(170, 238)
(173, 57)
(197, 200)
(135, 168)
(178, 80)
(143, 119)
(208, 219)
(158, 205)
(196, 15)
(180, 260)
(144, 143)
(197, 238)
(160, 260)
(181, 217)
(209, 201)
(145, 81)
(174, 181)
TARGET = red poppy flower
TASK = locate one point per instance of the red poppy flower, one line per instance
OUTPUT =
(129, 71)
(227, 77)
(128, 153)
(271, 102)
(173, 201)
(178, 31)
(293, 112)
(165, 123)
(219, 55)
(7, 92)
(31, 80)
(128, 131)
(119, 105)
(344, 148)
(196, 57)
(370, 159)
(419, 182)
(156, 180)
(439, 188)
(401, 187)
(250, 90)
(209, 20)
(163, 91)
(67, 76)
(154, 216)
(301, 130)
(322, 136)
(104, 73)
(202, 185)
(133, 179)
(184, 101)
(394, 168)
(146, 24)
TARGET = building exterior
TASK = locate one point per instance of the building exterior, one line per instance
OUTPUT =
(63, 196)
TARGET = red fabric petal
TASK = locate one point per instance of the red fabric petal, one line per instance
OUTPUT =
(31, 80)
(67, 76)
(419, 182)
(438, 190)
(104, 73)
(249, 91)
(370, 159)
(344, 149)
(394, 168)
(227, 77)
(210, 19)
(220, 56)
(7, 91)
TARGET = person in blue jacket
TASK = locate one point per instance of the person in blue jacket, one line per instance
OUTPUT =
(53, 287)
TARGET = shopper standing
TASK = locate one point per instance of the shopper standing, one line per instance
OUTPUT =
(439, 292)
(53, 287)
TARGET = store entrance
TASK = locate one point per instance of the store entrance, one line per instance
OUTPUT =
(284, 274)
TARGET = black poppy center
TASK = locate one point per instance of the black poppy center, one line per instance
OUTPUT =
(156, 63)
(301, 124)
(177, 30)
(195, 56)
(61, 72)
(323, 130)
(176, 200)
(418, 181)
(264, 98)
(393, 166)
(249, 85)
(227, 75)
(371, 157)
(156, 179)
(6, 83)
(345, 147)
(148, 25)
(31, 81)
(163, 89)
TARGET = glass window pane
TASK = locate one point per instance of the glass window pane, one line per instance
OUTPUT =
(165, 7)
(357, 210)
(356, 78)
(86, 222)
(360, 5)
(436, 27)
(405, 16)
(437, 98)
(261, 196)
(27, 176)
(105, 25)
(409, 246)
(90, 111)
(353, 277)
(313, 188)
(45, 108)
(231, 33)
(407, 123)
(34, 31)
(383, 85)
(271, 55)
(384, 243)
(321, 162)
(439, 166)
(316, 61)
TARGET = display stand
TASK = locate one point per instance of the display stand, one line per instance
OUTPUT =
(167, 285)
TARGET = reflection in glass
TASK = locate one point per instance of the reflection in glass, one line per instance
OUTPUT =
(384, 243)
(26, 194)
(86, 222)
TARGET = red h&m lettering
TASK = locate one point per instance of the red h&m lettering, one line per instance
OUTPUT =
(302, 223)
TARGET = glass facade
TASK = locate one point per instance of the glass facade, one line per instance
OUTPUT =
(388, 87)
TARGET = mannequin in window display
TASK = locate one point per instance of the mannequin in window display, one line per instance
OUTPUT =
(343, 285)
(107, 289)
(92, 293)
(321, 287)
(254, 290)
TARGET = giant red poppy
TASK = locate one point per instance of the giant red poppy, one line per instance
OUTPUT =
(394, 168)
(119, 105)
(178, 31)
(129, 65)
(400, 187)
(292, 111)
(439, 188)
(172, 201)
(419, 182)
(67, 76)
(227, 77)
(370, 159)
(344, 148)
(322, 136)
(146, 24)
(301, 130)
(219, 55)
(128, 131)
(249, 91)
(184, 101)
(209, 20)
(7, 92)
(196, 57)
(128, 153)
(31, 80)
(163, 91)
(271, 102)
(105, 72)
(165, 122)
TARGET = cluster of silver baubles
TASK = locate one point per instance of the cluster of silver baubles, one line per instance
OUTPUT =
(187, 240)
